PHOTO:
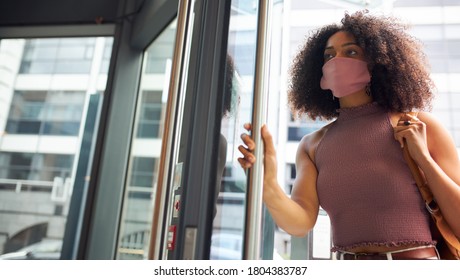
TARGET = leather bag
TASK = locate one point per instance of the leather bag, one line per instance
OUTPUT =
(448, 244)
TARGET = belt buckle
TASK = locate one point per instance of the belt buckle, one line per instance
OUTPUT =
(360, 256)
(370, 256)
(355, 256)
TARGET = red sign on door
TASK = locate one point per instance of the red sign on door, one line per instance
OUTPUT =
(171, 237)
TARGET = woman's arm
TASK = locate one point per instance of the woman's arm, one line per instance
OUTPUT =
(296, 215)
(434, 151)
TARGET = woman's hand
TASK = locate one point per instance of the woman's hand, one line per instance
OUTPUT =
(248, 159)
(411, 129)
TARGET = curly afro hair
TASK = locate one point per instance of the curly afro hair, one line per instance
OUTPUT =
(400, 76)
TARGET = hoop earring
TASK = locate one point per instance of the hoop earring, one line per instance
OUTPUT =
(368, 90)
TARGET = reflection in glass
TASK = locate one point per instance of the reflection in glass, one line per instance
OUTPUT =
(58, 56)
(41, 128)
(46, 112)
(228, 226)
(145, 148)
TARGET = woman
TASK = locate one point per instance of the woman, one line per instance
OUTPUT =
(368, 74)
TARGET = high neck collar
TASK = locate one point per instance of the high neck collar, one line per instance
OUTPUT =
(359, 111)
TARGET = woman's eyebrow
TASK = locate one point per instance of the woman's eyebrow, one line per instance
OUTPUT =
(344, 45)
(350, 43)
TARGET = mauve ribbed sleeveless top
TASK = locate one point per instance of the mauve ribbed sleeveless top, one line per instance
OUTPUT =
(365, 185)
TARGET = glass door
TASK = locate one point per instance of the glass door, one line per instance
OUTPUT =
(144, 161)
(204, 205)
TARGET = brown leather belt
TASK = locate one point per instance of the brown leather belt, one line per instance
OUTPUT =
(408, 254)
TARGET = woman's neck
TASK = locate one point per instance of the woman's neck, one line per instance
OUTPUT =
(356, 99)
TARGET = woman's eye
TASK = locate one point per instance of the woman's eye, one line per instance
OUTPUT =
(352, 52)
(328, 56)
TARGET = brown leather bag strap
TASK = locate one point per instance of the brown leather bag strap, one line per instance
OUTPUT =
(419, 180)
(431, 204)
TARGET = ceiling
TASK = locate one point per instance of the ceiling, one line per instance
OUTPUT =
(46, 12)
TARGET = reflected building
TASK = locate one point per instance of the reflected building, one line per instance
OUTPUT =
(45, 91)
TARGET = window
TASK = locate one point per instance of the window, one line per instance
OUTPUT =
(58, 56)
(143, 172)
(298, 128)
(40, 167)
(48, 113)
(42, 108)
(150, 115)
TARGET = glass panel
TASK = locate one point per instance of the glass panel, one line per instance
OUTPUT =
(145, 148)
(40, 136)
(228, 226)
(46, 112)
(150, 115)
(59, 56)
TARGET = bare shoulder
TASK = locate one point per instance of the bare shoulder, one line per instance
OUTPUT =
(310, 142)
(437, 134)
(441, 145)
(429, 119)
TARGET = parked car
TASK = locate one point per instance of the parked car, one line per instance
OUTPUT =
(43, 250)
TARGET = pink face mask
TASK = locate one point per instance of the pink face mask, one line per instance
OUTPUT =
(345, 76)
